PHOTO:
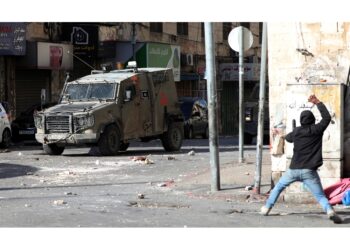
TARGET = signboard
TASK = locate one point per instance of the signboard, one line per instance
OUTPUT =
(230, 72)
(55, 56)
(164, 56)
(12, 39)
(84, 38)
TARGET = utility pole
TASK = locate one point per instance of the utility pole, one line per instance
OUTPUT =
(212, 107)
(259, 143)
(241, 98)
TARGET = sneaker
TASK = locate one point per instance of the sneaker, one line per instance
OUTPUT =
(265, 211)
(332, 215)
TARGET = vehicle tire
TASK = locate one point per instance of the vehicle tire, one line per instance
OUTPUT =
(6, 139)
(53, 149)
(123, 146)
(206, 133)
(109, 142)
(248, 139)
(190, 133)
(172, 139)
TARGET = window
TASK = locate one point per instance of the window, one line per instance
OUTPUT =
(202, 29)
(182, 29)
(246, 25)
(156, 27)
(260, 32)
(226, 29)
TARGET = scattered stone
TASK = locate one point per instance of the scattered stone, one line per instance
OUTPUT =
(148, 161)
(141, 196)
(191, 153)
(23, 184)
(42, 181)
(59, 202)
(27, 205)
(20, 153)
(248, 188)
(69, 172)
(239, 211)
(163, 184)
(30, 173)
(171, 158)
(68, 193)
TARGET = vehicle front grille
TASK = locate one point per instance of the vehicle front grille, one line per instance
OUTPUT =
(58, 124)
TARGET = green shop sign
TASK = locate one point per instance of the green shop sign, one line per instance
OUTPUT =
(161, 56)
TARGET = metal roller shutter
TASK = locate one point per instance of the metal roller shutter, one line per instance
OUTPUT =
(28, 87)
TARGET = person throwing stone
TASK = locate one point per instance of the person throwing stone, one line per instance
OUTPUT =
(307, 158)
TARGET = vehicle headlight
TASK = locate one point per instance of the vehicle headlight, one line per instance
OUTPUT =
(38, 121)
(84, 121)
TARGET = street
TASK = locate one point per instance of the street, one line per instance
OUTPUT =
(143, 187)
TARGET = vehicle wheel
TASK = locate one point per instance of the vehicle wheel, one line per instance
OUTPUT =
(206, 133)
(123, 146)
(6, 139)
(172, 139)
(248, 139)
(109, 142)
(53, 149)
(190, 133)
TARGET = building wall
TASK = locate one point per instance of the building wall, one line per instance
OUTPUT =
(304, 53)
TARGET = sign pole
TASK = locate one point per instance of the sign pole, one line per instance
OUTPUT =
(241, 97)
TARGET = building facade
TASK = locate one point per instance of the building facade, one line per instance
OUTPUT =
(51, 50)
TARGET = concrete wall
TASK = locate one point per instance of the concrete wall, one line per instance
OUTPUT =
(304, 53)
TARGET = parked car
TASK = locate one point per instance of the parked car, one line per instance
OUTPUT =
(195, 112)
(23, 127)
(5, 128)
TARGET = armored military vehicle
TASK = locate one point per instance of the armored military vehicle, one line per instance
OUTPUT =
(109, 109)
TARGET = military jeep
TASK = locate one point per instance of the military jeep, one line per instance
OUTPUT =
(109, 109)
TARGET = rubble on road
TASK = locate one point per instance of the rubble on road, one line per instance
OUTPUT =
(191, 153)
(59, 202)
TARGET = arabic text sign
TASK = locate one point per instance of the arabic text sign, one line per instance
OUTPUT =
(12, 39)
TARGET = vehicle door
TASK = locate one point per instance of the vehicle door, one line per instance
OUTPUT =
(130, 109)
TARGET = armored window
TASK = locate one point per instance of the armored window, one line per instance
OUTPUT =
(102, 91)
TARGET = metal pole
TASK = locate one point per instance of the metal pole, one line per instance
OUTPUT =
(259, 143)
(212, 107)
(241, 98)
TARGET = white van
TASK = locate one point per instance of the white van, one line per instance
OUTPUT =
(5, 128)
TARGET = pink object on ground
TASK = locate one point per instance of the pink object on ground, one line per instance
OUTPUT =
(335, 192)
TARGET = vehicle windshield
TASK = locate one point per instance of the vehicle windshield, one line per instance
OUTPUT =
(89, 92)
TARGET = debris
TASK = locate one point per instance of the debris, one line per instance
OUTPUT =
(20, 153)
(69, 172)
(148, 161)
(248, 188)
(171, 158)
(97, 162)
(191, 153)
(42, 181)
(141, 196)
(30, 173)
(239, 211)
(59, 202)
(247, 173)
(165, 184)
(68, 193)
(27, 205)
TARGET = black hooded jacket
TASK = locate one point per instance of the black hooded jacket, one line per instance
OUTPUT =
(307, 139)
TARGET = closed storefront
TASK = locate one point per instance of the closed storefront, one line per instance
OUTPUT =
(29, 84)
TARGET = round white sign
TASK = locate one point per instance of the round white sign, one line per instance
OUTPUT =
(234, 38)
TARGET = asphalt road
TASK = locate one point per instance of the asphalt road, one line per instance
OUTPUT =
(82, 189)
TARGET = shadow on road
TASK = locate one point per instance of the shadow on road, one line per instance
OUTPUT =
(8, 170)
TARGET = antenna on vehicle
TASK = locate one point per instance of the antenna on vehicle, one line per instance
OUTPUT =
(68, 52)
